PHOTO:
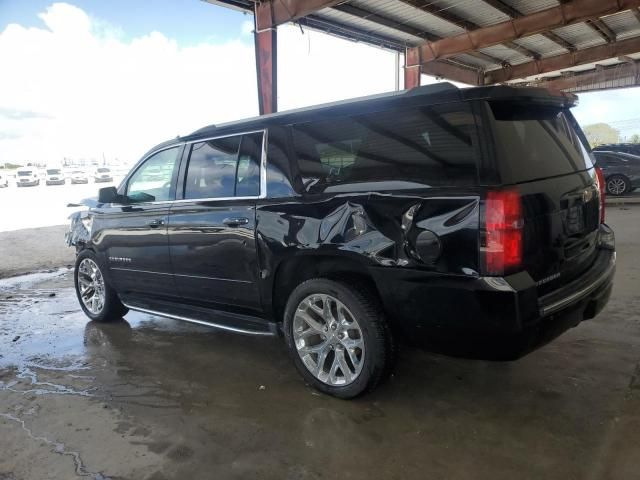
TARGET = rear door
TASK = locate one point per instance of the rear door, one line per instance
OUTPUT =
(212, 227)
(540, 149)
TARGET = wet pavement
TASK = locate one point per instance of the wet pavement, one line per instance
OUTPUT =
(152, 398)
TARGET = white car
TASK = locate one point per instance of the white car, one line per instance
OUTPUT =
(4, 181)
(102, 174)
(78, 176)
(54, 176)
(27, 177)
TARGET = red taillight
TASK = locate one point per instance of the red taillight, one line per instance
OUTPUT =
(503, 224)
(603, 190)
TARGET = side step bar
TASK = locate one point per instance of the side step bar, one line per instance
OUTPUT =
(230, 322)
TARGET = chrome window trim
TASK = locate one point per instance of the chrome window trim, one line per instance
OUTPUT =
(263, 169)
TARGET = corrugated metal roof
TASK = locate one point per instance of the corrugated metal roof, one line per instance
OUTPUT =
(404, 13)
(400, 25)
(624, 24)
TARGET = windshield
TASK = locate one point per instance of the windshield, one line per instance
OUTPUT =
(103, 170)
(53, 171)
(25, 173)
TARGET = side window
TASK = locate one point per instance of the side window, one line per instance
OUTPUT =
(248, 176)
(152, 181)
(395, 149)
(278, 165)
(224, 167)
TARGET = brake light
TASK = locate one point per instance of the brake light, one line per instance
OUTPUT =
(602, 189)
(503, 224)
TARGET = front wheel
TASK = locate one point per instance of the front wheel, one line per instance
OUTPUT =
(98, 299)
(618, 185)
(338, 337)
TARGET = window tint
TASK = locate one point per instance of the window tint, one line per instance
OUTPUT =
(248, 176)
(396, 149)
(225, 167)
(152, 181)
(536, 142)
(278, 165)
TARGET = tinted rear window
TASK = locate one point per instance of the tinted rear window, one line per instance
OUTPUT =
(535, 142)
(395, 149)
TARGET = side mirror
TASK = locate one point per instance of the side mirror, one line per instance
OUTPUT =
(108, 195)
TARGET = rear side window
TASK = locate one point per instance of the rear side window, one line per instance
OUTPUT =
(535, 142)
(395, 149)
(224, 168)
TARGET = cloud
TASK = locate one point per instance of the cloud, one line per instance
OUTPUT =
(247, 28)
(79, 87)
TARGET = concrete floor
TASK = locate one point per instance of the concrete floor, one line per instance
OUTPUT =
(150, 398)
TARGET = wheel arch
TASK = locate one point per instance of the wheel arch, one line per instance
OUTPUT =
(292, 271)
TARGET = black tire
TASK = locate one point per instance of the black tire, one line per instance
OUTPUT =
(366, 307)
(614, 183)
(112, 309)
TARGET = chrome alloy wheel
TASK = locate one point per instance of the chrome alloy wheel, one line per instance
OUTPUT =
(616, 186)
(91, 286)
(328, 339)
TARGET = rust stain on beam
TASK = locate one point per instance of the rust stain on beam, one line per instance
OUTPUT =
(271, 13)
(564, 14)
(559, 62)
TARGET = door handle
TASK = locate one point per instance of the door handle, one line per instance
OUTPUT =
(156, 223)
(235, 222)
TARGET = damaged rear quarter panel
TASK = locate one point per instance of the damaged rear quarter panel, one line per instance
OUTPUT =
(377, 230)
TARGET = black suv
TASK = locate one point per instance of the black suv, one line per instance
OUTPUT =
(470, 221)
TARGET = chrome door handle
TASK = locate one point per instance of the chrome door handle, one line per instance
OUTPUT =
(235, 222)
(156, 223)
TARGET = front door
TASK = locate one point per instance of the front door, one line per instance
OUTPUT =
(134, 235)
(212, 228)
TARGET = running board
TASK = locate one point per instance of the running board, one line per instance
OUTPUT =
(227, 321)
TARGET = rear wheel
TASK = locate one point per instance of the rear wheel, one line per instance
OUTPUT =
(338, 337)
(618, 185)
(97, 298)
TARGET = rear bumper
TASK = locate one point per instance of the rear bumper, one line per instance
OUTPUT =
(491, 317)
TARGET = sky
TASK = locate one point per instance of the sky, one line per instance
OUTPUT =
(110, 79)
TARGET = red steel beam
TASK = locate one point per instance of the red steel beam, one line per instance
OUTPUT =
(590, 79)
(411, 70)
(266, 50)
(566, 60)
(271, 13)
(449, 70)
(564, 14)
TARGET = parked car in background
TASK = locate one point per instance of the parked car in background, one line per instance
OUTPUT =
(54, 176)
(102, 174)
(4, 180)
(27, 177)
(469, 220)
(621, 171)
(632, 148)
(78, 176)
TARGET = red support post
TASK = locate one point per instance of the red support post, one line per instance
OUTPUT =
(266, 49)
(411, 68)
